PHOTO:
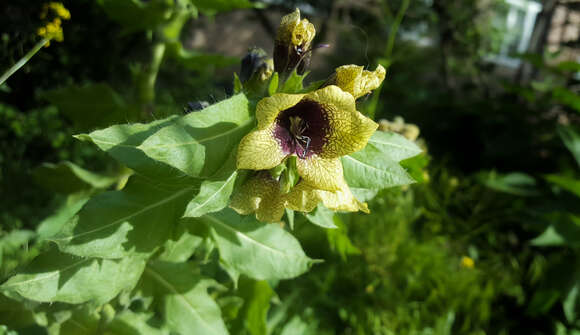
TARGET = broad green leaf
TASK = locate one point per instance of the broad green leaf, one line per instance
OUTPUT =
(567, 97)
(200, 143)
(188, 308)
(513, 183)
(252, 316)
(258, 250)
(15, 314)
(54, 223)
(135, 220)
(55, 276)
(67, 177)
(199, 61)
(137, 15)
(273, 85)
(122, 142)
(372, 169)
(296, 326)
(393, 145)
(182, 247)
(84, 320)
(132, 323)
(563, 230)
(91, 106)
(322, 217)
(571, 138)
(214, 193)
(363, 194)
(571, 185)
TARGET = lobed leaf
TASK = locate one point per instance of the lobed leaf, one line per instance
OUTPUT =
(258, 250)
(135, 220)
(188, 308)
(372, 169)
(56, 276)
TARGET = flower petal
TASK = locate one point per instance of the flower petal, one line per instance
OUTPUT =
(303, 197)
(268, 108)
(294, 31)
(349, 129)
(261, 195)
(357, 81)
(325, 174)
(259, 150)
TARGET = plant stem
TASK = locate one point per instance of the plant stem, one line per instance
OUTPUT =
(388, 54)
(149, 76)
(23, 60)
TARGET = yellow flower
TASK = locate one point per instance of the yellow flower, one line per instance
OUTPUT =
(292, 44)
(60, 10)
(467, 262)
(357, 81)
(317, 128)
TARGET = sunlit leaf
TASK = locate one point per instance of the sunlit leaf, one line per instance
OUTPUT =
(188, 308)
(55, 276)
(322, 217)
(393, 145)
(135, 220)
(252, 316)
(258, 250)
(67, 177)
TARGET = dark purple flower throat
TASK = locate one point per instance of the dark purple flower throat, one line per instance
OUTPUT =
(302, 129)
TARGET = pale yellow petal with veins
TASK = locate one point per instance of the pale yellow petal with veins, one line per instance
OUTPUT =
(349, 130)
(325, 174)
(259, 150)
(268, 108)
(303, 197)
(261, 195)
(357, 81)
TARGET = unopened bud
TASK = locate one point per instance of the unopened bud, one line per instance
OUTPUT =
(292, 45)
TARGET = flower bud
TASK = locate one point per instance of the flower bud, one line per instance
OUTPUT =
(292, 44)
(357, 81)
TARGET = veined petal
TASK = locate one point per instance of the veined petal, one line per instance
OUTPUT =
(357, 81)
(261, 195)
(294, 31)
(321, 173)
(268, 108)
(349, 129)
(303, 197)
(259, 150)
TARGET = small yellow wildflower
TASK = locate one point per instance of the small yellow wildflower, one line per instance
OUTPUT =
(60, 10)
(53, 29)
(467, 262)
(408, 130)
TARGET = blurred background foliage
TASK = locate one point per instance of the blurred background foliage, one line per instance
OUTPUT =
(486, 243)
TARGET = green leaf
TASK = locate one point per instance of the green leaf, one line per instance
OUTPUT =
(211, 7)
(252, 316)
(571, 185)
(67, 177)
(393, 145)
(258, 250)
(131, 323)
(513, 183)
(322, 217)
(135, 220)
(294, 83)
(53, 224)
(137, 15)
(571, 138)
(91, 106)
(122, 143)
(214, 194)
(563, 230)
(339, 241)
(273, 85)
(198, 61)
(567, 97)
(372, 169)
(187, 307)
(570, 302)
(55, 276)
(182, 248)
(199, 143)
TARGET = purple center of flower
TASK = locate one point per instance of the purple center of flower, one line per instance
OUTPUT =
(302, 129)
